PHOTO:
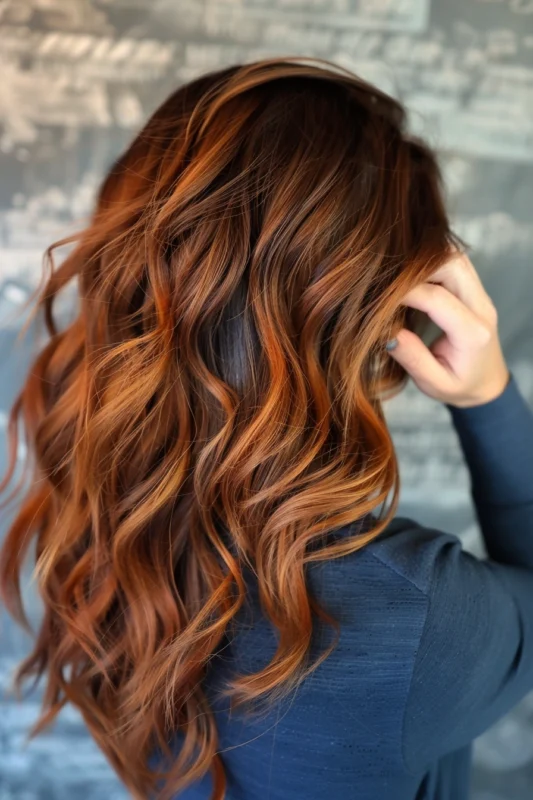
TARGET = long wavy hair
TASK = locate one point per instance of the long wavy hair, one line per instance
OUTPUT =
(216, 403)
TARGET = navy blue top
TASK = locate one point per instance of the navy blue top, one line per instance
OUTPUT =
(435, 646)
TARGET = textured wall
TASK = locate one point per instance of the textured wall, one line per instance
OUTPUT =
(78, 77)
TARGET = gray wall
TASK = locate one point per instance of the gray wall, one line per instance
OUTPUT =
(78, 77)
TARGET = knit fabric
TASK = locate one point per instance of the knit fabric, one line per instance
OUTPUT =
(435, 646)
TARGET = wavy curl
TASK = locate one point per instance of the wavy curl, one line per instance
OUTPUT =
(216, 402)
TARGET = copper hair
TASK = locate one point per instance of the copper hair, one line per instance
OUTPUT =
(215, 403)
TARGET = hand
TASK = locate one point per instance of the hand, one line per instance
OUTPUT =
(465, 366)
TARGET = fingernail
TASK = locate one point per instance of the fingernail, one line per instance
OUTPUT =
(391, 344)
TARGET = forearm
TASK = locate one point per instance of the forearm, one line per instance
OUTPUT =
(497, 443)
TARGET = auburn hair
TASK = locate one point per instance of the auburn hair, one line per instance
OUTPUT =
(215, 403)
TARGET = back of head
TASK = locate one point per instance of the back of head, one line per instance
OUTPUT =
(216, 403)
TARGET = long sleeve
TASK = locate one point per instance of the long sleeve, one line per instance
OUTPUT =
(497, 442)
(475, 656)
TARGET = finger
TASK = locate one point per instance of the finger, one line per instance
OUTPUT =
(460, 277)
(461, 325)
(419, 362)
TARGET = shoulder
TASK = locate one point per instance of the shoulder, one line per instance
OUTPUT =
(384, 586)
(405, 553)
(448, 641)
(416, 552)
(408, 581)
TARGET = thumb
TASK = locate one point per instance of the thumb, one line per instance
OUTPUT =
(411, 353)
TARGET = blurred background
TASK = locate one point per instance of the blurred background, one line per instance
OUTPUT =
(78, 79)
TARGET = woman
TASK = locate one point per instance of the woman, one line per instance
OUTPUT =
(227, 599)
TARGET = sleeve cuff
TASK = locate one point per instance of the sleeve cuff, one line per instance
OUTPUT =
(486, 410)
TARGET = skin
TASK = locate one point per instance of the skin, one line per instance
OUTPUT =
(464, 366)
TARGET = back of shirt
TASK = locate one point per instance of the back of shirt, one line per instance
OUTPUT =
(341, 727)
(435, 645)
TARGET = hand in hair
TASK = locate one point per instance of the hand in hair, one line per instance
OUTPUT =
(465, 366)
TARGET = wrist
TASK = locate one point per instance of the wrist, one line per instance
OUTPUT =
(488, 394)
